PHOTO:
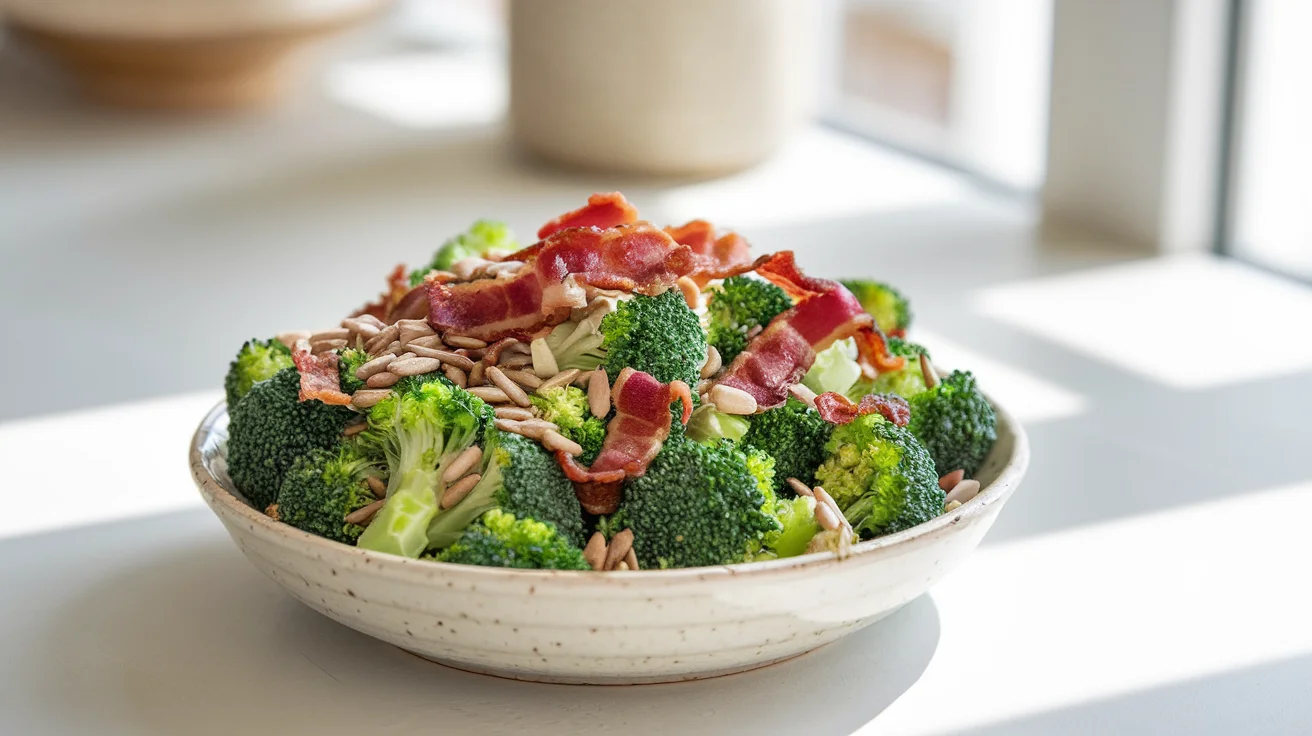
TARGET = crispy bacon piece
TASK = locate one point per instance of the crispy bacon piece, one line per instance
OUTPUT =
(638, 258)
(603, 210)
(714, 258)
(633, 438)
(783, 352)
(836, 408)
(319, 375)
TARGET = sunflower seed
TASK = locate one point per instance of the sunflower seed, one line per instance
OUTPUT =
(599, 394)
(557, 442)
(456, 376)
(382, 380)
(490, 394)
(365, 398)
(703, 386)
(513, 412)
(927, 370)
(822, 497)
(428, 341)
(363, 516)
(414, 366)
(532, 431)
(463, 463)
(323, 346)
(379, 342)
(619, 547)
(595, 552)
(371, 319)
(756, 330)
(963, 491)
(376, 485)
(396, 348)
(544, 363)
(732, 400)
(477, 374)
(290, 338)
(413, 329)
(337, 333)
(631, 559)
(803, 394)
(458, 490)
(560, 379)
(950, 481)
(826, 517)
(355, 429)
(509, 387)
(523, 378)
(951, 506)
(712, 364)
(460, 341)
(622, 566)
(377, 365)
(446, 356)
(801, 488)
(692, 293)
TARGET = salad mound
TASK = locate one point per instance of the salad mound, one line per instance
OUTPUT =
(614, 396)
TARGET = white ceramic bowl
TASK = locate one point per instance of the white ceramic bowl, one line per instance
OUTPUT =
(614, 627)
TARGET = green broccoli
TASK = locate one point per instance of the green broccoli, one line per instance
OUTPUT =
(696, 505)
(881, 477)
(578, 344)
(835, 369)
(955, 423)
(567, 408)
(521, 478)
(500, 540)
(709, 424)
(257, 361)
(891, 310)
(906, 381)
(737, 305)
(271, 427)
(796, 518)
(417, 431)
(322, 487)
(658, 335)
(795, 436)
(348, 362)
(481, 237)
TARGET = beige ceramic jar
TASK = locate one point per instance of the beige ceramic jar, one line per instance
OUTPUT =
(670, 87)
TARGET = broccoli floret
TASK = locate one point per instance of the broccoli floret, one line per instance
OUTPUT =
(481, 237)
(501, 540)
(796, 516)
(322, 487)
(567, 407)
(578, 344)
(795, 436)
(881, 477)
(955, 423)
(658, 335)
(891, 310)
(736, 306)
(348, 362)
(271, 427)
(696, 505)
(521, 478)
(417, 431)
(257, 361)
(708, 424)
(906, 381)
(835, 369)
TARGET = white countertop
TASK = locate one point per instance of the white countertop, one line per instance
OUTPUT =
(1146, 578)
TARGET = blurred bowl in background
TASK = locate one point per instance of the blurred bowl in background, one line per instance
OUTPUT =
(180, 54)
(679, 87)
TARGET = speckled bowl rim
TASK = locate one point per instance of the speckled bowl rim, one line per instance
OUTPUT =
(1009, 476)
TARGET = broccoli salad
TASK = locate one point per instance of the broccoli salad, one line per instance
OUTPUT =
(613, 396)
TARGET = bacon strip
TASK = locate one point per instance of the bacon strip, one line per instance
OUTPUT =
(637, 258)
(714, 258)
(633, 438)
(320, 378)
(836, 408)
(783, 352)
(603, 210)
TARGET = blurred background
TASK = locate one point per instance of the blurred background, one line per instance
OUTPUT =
(1085, 200)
